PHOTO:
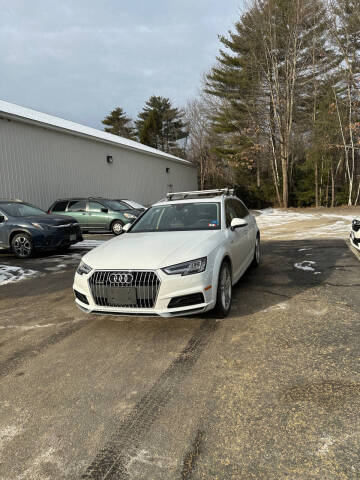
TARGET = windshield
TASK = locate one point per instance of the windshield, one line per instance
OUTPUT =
(21, 210)
(134, 204)
(114, 205)
(179, 217)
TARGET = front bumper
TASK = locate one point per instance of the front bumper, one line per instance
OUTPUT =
(57, 238)
(171, 286)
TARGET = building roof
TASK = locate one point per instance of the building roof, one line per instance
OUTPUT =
(16, 112)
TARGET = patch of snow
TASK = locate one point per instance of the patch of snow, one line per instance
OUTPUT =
(326, 443)
(88, 244)
(304, 249)
(306, 265)
(57, 267)
(10, 274)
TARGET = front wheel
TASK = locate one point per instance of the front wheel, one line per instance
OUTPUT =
(22, 245)
(117, 227)
(224, 291)
(256, 260)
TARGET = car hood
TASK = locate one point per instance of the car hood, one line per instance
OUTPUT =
(50, 219)
(139, 251)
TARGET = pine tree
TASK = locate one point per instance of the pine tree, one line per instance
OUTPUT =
(119, 124)
(264, 80)
(161, 126)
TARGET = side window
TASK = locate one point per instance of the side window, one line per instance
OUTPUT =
(77, 206)
(60, 206)
(241, 210)
(95, 207)
(230, 212)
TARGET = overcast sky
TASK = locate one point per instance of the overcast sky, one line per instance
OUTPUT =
(78, 59)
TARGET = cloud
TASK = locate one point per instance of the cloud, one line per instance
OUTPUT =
(80, 59)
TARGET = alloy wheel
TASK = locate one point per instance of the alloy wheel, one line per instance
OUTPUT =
(225, 287)
(117, 228)
(22, 246)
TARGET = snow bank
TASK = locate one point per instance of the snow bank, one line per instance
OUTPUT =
(303, 225)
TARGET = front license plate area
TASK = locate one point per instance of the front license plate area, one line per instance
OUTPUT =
(121, 295)
(72, 237)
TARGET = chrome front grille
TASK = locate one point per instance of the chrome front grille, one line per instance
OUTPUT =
(104, 286)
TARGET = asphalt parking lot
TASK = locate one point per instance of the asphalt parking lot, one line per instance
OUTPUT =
(271, 392)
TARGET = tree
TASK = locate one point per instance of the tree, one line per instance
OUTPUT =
(119, 124)
(265, 77)
(202, 145)
(344, 21)
(161, 126)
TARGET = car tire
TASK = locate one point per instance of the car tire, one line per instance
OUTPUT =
(117, 227)
(224, 291)
(257, 255)
(22, 245)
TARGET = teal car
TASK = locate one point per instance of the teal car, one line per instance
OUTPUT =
(96, 213)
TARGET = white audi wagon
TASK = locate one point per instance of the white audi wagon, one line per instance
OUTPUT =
(181, 257)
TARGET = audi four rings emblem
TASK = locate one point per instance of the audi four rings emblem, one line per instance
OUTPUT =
(123, 278)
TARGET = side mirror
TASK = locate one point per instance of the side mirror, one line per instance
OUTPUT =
(2, 218)
(126, 227)
(105, 210)
(237, 223)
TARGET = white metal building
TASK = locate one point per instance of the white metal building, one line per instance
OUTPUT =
(43, 158)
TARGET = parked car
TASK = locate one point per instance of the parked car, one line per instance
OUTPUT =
(96, 213)
(131, 204)
(181, 257)
(25, 229)
(355, 233)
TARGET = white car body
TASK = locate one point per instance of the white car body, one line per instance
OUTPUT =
(150, 252)
(355, 233)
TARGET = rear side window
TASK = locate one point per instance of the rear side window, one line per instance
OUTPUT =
(77, 206)
(60, 206)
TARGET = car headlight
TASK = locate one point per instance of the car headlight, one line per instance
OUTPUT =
(40, 226)
(83, 269)
(129, 216)
(187, 268)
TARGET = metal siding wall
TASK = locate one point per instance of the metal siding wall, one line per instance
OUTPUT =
(40, 165)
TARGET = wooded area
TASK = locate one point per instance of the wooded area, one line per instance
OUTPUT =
(279, 115)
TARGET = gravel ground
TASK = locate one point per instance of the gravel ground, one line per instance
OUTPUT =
(271, 392)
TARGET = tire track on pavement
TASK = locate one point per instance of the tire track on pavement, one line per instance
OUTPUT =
(111, 462)
(31, 351)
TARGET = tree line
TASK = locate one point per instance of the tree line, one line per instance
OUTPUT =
(279, 113)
